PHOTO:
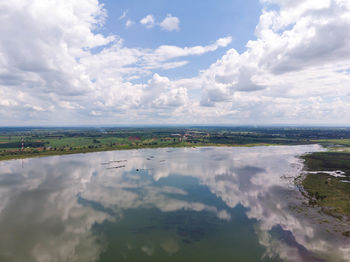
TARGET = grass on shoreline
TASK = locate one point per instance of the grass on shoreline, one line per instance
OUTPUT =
(324, 190)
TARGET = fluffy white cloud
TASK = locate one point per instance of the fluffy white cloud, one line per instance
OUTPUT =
(166, 52)
(170, 23)
(40, 47)
(148, 21)
(296, 71)
(161, 93)
(50, 71)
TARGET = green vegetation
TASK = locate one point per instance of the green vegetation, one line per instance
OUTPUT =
(331, 142)
(56, 141)
(327, 191)
(328, 161)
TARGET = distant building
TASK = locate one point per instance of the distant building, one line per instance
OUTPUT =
(134, 138)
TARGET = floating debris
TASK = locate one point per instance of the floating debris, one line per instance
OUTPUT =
(116, 167)
(113, 161)
(142, 169)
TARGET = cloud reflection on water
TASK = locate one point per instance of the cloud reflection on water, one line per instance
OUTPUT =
(42, 219)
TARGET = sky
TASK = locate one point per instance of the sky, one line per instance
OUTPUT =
(160, 62)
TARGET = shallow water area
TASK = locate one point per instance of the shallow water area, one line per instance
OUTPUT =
(183, 204)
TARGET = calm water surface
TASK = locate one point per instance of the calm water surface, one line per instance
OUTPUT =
(188, 204)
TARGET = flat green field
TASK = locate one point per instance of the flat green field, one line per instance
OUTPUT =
(343, 142)
(54, 141)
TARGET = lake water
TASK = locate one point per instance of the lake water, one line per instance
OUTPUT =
(187, 204)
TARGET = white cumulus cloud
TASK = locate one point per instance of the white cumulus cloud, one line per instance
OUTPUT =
(297, 70)
(170, 23)
(148, 21)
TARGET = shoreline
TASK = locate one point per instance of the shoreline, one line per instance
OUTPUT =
(27, 155)
(318, 184)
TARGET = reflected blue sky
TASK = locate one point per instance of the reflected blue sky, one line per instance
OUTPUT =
(163, 204)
